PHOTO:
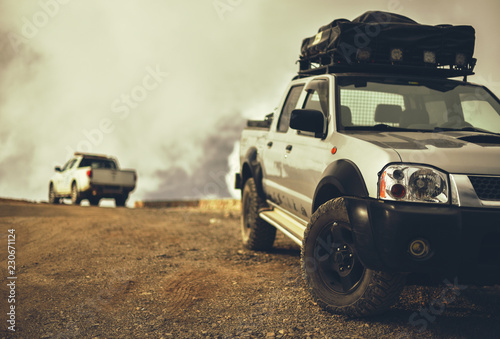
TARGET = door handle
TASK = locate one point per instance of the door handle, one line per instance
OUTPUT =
(289, 148)
(270, 144)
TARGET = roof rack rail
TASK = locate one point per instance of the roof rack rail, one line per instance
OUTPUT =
(308, 68)
(92, 155)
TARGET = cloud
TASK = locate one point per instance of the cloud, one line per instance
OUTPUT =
(61, 87)
(206, 179)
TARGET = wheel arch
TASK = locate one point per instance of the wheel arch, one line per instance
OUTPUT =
(341, 178)
(75, 182)
(251, 168)
(52, 187)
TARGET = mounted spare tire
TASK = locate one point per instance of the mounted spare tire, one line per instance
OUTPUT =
(335, 276)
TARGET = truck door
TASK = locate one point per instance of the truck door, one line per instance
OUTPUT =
(67, 176)
(274, 150)
(307, 156)
(59, 179)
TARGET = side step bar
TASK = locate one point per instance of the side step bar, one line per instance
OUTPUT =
(287, 224)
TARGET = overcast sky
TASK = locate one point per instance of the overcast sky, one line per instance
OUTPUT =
(165, 86)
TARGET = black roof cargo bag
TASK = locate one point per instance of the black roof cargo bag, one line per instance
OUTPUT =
(381, 38)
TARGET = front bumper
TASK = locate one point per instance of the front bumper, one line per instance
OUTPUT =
(464, 242)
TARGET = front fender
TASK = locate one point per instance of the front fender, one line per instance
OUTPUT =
(340, 178)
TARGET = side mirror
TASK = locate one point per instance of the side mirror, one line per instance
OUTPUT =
(57, 169)
(308, 120)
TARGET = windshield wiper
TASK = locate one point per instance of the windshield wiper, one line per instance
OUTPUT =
(464, 129)
(379, 127)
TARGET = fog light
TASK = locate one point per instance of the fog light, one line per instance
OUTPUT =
(429, 57)
(396, 54)
(363, 54)
(419, 248)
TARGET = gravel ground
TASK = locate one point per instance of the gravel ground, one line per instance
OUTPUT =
(91, 272)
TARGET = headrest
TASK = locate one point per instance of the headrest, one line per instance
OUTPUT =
(345, 116)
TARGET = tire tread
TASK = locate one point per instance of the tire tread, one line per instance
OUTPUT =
(262, 234)
(383, 289)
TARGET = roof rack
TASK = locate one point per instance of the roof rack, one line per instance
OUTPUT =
(308, 68)
(382, 42)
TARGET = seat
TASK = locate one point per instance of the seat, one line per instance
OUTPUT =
(413, 117)
(385, 113)
(345, 116)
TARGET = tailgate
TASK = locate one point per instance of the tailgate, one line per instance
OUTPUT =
(111, 177)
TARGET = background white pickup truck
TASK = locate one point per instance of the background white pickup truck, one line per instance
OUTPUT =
(92, 177)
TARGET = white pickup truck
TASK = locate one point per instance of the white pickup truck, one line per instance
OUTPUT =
(92, 177)
(381, 168)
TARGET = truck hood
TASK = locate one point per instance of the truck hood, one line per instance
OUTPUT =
(454, 152)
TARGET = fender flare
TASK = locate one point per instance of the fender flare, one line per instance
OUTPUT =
(251, 168)
(340, 178)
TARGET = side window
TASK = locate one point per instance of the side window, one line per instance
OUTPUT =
(317, 96)
(72, 164)
(84, 163)
(288, 107)
(313, 102)
(66, 166)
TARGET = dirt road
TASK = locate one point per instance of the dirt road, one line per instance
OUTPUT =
(182, 273)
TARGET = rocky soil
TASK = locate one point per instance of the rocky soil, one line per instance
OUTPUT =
(90, 272)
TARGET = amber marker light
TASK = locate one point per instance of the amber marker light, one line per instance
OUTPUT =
(334, 150)
(382, 185)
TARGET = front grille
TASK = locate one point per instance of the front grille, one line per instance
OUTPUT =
(487, 188)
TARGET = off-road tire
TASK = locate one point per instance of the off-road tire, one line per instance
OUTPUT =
(53, 199)
(121, 200)
(75, 195)
(335, 276)
(257, 234)
(94, 201)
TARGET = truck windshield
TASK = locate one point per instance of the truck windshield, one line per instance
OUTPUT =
(378, 103)
(97, 163)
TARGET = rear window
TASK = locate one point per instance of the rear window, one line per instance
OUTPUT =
(97, 163)
(363, 104)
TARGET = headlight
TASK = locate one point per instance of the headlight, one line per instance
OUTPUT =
(413, 183)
